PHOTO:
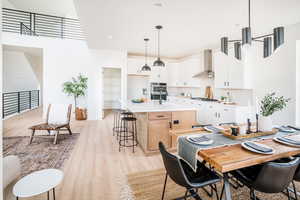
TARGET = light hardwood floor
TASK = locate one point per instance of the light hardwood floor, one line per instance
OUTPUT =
(96, 169)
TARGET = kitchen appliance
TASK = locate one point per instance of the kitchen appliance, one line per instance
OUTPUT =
(159, 91)
(208, 71)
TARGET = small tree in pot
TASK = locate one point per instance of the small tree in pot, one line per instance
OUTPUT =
(269, 105)
(76, 88)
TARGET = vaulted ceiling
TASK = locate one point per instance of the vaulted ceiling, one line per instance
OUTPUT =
(189, 25)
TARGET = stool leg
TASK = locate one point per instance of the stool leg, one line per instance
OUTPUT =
(136, 140)
(114, 125)
(133, 131)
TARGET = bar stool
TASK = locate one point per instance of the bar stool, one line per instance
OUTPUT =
(128, 133)
(117, 125)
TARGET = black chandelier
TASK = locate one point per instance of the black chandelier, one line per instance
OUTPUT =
(146, 66)
(158, 62)
(278, 39)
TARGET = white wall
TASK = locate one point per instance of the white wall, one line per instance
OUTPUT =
(277, 73)
(64, 59)
(1, 127)
(298, 83)
(18, 74)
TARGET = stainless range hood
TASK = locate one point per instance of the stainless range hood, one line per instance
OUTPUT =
(207, 61)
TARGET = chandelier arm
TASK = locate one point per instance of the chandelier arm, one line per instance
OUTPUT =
(257, 40)
(263, 36)
(234, 40)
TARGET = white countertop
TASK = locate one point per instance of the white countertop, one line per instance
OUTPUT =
(156, 107)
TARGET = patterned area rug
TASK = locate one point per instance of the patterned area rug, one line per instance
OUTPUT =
(42, 153)
(148, 185)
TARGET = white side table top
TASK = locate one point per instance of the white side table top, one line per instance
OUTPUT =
(38, 182)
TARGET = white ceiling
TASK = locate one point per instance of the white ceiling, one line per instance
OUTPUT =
(63, 8)
(189, 25)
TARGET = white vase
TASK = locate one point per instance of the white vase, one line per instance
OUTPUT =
(265, 123)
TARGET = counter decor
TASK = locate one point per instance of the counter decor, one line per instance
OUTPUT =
(269, 105)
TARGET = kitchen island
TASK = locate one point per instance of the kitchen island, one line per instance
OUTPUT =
(155, 122)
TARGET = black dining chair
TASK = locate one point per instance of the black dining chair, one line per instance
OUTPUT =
(182, 174)
(297, 179)
(272, 177)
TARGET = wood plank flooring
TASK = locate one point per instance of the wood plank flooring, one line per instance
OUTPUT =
(96, 169)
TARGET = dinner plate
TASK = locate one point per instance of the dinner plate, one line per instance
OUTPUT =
(286, 143)
(214, 129)
(257, 151)
(207, 142)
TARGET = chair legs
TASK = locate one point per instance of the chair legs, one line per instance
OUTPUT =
(69, 129)
(163, 193)
(55, 137)
(190, 192)
(32, 135)
(295, 191)
(252, 194)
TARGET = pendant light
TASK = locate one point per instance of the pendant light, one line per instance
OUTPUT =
(158, 62)
(247, 39)
(146, 66)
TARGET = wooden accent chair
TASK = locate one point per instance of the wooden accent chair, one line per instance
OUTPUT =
(57, 119)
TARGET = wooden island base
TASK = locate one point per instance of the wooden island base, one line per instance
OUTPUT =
(153, 127)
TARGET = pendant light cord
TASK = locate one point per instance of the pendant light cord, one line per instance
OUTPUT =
(146, 60)
(249, 12)
(158, 43)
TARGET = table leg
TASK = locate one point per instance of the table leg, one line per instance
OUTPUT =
(227, 187)
(17, 198)
(53, 193)
(48, 198)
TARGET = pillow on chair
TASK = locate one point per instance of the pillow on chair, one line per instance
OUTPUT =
(58, 114)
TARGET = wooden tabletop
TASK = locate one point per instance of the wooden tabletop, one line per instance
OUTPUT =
(225, 159)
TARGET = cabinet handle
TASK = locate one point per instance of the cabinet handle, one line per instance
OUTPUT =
(219, 115)
(227, 83)
(224, 83)
(170, 123)
(160, 116)
(216, 114)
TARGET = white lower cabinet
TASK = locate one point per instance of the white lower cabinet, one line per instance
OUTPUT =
(215, 114)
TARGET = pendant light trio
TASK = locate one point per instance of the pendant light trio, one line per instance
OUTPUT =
(278, 39)
(158, 62)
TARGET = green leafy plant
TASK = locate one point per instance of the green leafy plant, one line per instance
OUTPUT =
(271, 104)
(76, 88)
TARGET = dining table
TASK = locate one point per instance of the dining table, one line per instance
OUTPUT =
(233, 157)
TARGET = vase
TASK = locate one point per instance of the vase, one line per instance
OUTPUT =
(265, 123)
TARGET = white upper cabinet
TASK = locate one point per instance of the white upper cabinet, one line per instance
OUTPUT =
(173, 74)
(159, 74)
(183, 72)
(231, 73)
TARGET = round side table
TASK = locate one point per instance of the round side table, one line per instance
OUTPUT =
(37, 183)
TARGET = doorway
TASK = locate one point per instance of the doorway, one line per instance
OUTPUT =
(111, 90)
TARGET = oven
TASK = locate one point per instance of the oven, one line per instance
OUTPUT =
(159, 91)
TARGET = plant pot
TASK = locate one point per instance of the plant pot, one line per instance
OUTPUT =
(265, 123)
(81, 113)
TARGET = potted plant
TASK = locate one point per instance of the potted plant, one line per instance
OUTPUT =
(77, 88)
(269, 105)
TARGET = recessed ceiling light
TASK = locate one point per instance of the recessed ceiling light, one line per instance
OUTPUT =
(109, 37)
(158, 4)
